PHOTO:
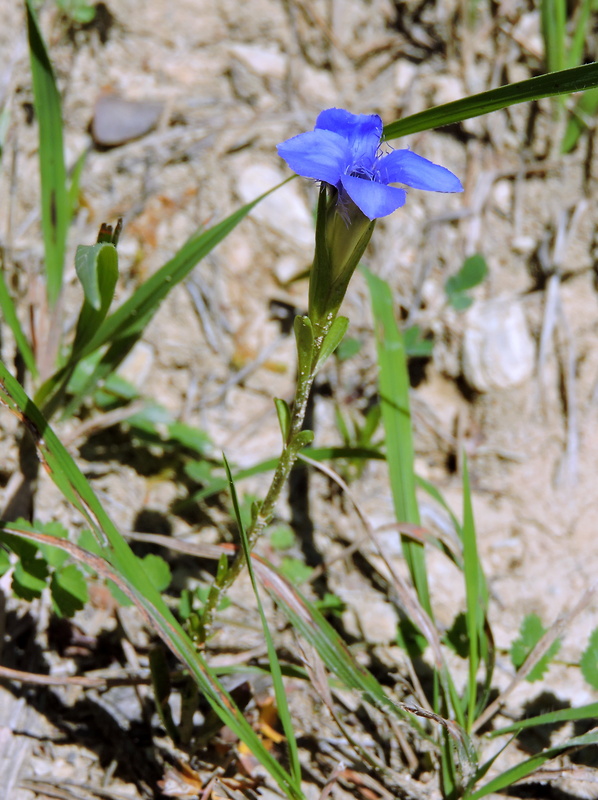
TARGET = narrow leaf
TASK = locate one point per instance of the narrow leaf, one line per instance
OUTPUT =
(9, 314)
(54, 196)
(567, 81)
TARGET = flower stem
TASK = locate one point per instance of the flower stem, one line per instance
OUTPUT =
(265, 512)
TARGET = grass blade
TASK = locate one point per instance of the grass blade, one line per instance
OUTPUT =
(589, 711)
(528, 767)
(55, 203)
(9, 313)
(553, 15)
(119, 558)
(275, 670)
(396, 416)
(127, 323)
(567, 81)
(475, 594)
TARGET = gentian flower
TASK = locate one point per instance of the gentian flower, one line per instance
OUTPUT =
(344, 152)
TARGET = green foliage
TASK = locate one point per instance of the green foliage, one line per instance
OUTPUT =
(38, 566)
(158, 571)
(564, 46)
(416, 344)
(589, 661)
(55, 205)
(567, 81)
(282, 537)
(295, 570)
(348, 348)
(471, 274)
(68, 588)
(410, 638)
(4, 561)
(79, 11)
(530, 633)
(457, 638)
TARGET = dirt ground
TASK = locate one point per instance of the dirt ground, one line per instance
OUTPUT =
(232, 79)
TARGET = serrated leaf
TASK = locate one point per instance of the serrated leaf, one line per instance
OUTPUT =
(589, 661)
(30, 578)
(158, 571)
(530, 633)
(69, 590)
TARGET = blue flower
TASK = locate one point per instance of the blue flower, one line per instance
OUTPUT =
(344, 151)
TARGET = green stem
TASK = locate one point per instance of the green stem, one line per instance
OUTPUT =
(285, 464)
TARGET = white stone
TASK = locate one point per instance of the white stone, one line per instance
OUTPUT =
(267, 62)
(498, 350)
(284, 210)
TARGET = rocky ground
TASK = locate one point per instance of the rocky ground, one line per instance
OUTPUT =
(513, 381)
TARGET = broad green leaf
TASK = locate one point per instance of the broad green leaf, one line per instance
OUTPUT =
(295, 570)
(54, 196)
(348, 348)
(80, 11)
(282, 537)
(589, 661)
(530, 634)
(158, 571)
(69, 590)
(471, 274)
(416, 346)
(565, 82)
(30, 578)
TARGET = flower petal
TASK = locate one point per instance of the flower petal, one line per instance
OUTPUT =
(403, 166)
(373, 199)
(362, 131)
(320, 154)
